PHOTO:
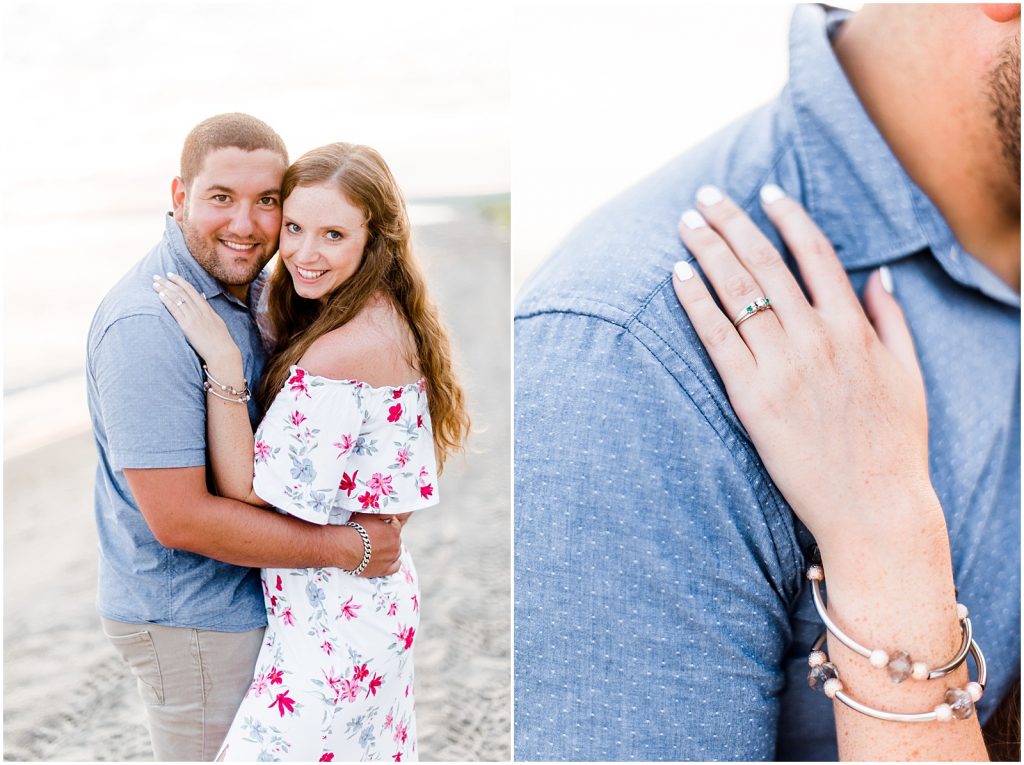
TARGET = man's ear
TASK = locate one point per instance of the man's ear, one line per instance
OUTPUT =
(178, 198)
(1001, 12)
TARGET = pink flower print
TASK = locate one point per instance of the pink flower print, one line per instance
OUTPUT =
(415, 603)
(266, 589)
(380, 484)
(275, 676)
(288, 617)
(426, 491)
(344, 445)
(262, 450)
(327, 757)
(348, 483)
(259, 685)
(282, 702)
(273, 601)
(396, 393)
(397, 757)
(350, 691)
(424, 473)
(327, 647)
(369, 500)
(360, 672)
(334, 683)
(279, 586)
(394, 413)
(419, 420)
(372, 689)
(296, 383)
(348, 609)
(406, 634)
(402, 458)
(401, 732)
(407, 691)
(393, 608)
(389, 720)
(406, 573)
(297, 418)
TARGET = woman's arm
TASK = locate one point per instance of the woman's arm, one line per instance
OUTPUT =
(834, 402)
(229, 436)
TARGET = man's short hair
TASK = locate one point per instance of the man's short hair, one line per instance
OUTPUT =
(222, 131)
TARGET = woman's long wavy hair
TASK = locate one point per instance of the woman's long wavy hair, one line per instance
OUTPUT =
(388, 267)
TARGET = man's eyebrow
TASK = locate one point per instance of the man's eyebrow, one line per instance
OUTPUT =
(274, 192)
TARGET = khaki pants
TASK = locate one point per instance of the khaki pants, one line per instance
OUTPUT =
(191, 681)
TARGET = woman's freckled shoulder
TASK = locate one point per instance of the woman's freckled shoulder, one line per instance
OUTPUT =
(371, 348)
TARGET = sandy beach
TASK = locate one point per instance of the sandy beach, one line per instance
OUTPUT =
(67, 695)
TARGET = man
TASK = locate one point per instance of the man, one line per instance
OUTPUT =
(661, 608)
(177, 593)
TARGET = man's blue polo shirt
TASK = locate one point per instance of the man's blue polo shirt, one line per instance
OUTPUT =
(148, 410)
(660, 606)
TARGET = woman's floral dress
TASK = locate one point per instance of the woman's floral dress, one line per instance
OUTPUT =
(334, 679)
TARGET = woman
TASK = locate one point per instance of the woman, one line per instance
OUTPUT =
(834, 402)
(357, 348)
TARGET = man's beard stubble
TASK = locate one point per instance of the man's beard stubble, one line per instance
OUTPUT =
(205, 254)
(1004, 94)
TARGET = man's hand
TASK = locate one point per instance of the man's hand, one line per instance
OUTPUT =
(385, 539)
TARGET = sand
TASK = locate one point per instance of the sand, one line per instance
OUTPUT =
(67, 695)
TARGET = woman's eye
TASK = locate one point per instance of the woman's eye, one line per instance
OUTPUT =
(334, 236)
(293, 228)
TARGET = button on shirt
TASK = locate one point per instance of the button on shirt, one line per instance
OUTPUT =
(148, 409)
(661, 611)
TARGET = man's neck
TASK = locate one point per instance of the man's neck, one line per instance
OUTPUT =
(240, 291)
(937, 125)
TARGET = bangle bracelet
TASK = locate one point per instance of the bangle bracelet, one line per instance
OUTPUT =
(242, 398)
(958, 703)
(899, 665)
(367, 549)
(227, 388)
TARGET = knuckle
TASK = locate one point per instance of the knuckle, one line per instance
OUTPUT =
(718, 334)
(740, 284)
(765, 256)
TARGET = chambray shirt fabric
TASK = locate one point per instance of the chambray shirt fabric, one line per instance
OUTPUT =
(660, 607)
(148, 409)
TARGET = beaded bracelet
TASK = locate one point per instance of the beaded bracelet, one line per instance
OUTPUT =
(367, 549)
(899, 665)
(958, 703)
(241, 396)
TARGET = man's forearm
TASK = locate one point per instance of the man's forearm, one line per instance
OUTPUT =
(237, 533)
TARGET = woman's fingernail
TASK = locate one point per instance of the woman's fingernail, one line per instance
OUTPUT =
(693, 219)
(156, 278)
(709, 195)
(682, 270)
(771, 193)
(886, 276)
(171, 273)
(163, 294)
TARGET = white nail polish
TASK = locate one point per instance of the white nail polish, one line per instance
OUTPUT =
(171, 273)
(771, 193)
(156, 278)
(886, 276)
(682, 270)
(693, 219)
(163, 294)
(709, 195)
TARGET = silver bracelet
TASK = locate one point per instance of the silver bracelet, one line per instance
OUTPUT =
(367, 549)
(958, 703)
(900, 665)
(243, 395)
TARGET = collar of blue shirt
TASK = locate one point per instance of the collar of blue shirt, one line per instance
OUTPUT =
(847, 165)
(189, 268)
